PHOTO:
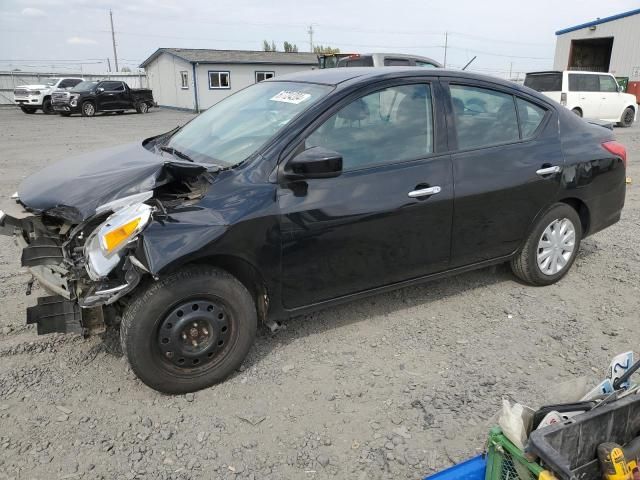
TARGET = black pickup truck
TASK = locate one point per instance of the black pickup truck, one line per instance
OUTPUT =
(91, 97)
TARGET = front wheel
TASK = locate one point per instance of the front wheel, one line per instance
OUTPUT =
(88, 109)
(28, 110)
(627, 117)
(551, 247)
(47, 107)
(189, 330)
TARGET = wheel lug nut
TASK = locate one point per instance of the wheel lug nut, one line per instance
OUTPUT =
(205, 331)
(169, 354)
(195, 325)
(194, 343)
(184, 336)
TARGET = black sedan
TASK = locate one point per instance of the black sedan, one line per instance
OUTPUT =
(304, 191)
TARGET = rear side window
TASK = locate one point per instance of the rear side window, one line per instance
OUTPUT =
(530, 117)
(387, 126)
(544, 82)
(607, 84)
(396, 62)
(579, 82)
(483, 117)
(424, 64)
(366, 61)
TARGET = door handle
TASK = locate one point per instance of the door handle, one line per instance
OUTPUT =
(548, 170)
(424, 192)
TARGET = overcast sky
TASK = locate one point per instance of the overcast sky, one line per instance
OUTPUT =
(505, 35)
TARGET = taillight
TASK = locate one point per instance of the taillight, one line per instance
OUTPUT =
(617, 149)
(563, 98)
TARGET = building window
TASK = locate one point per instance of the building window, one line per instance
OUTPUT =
(219, 80)
(260, 76)
(184, 79)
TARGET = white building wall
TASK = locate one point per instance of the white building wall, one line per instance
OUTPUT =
(164, 79)
(625, 54)
(242, 75)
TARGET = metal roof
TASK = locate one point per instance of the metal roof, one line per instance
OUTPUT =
(599, 21)
(202, 55)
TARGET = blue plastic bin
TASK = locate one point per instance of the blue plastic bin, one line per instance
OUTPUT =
(472, 469)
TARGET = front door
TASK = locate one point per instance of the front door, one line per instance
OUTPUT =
(387, 217)
(506, 169)
(610, 99)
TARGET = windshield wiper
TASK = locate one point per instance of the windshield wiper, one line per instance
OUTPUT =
(175, 152)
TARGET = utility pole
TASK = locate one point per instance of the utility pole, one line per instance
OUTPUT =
(446, 41)
(510, 69)
(108, 64)
(113, 39)
(310, 32)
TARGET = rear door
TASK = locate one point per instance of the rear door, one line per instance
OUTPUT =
(387, 217)
(502, 145)
(584, 93)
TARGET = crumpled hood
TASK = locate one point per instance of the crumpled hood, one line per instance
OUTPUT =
(73, 188)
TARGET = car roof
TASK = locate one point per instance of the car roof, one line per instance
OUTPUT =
(568, 71)
(337, 76)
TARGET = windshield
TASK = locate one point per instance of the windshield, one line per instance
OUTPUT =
(50, 82)
(84, 86)
(233, 129)
(544, 82)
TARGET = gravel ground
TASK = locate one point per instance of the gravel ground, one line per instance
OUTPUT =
(395, 386)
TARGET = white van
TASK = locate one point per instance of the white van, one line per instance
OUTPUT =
(587, 94)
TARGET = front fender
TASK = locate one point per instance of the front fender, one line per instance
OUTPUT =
(179, 236)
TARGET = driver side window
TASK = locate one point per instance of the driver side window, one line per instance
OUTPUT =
(387, 126)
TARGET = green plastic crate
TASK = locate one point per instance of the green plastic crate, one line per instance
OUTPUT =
(505, 461)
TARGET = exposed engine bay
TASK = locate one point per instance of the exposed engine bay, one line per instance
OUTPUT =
(90, 259)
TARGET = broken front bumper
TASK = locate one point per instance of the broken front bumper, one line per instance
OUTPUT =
(67, 310)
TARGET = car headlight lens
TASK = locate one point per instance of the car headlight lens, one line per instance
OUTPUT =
(35, 92)
(122, 226)
(104, 244)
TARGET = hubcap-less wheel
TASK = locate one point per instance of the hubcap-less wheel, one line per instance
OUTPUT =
(628, 116)
(194, 334)
(556, 246)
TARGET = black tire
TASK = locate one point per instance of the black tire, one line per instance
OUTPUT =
(627, 117)
(147, 320)
(28, 110)
(577, 111)
(142, 108)
(47, 107)
(88, 109)
(525, 264)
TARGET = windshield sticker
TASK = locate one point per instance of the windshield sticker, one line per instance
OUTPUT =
(289, 96)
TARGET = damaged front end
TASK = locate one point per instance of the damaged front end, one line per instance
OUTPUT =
(90, 263)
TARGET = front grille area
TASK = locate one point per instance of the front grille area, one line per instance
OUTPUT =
(60, 97)
(21, 92)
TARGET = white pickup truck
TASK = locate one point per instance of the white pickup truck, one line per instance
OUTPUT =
(33, 97)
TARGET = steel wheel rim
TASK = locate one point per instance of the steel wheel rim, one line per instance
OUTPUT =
(195, 334)
(88, 109)
(556, 246)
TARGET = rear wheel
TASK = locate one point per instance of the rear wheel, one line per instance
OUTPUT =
(551, 248)
(88, 109)
(142, 108)
(577, 111)
(47, 107)
(189, 330)
(627, 117)
(28, 110)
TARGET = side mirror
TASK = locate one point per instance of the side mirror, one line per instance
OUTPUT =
(620, 88)
(100, 90)
(315, 162)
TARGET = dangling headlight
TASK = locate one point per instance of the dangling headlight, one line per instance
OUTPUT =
(103, 245)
